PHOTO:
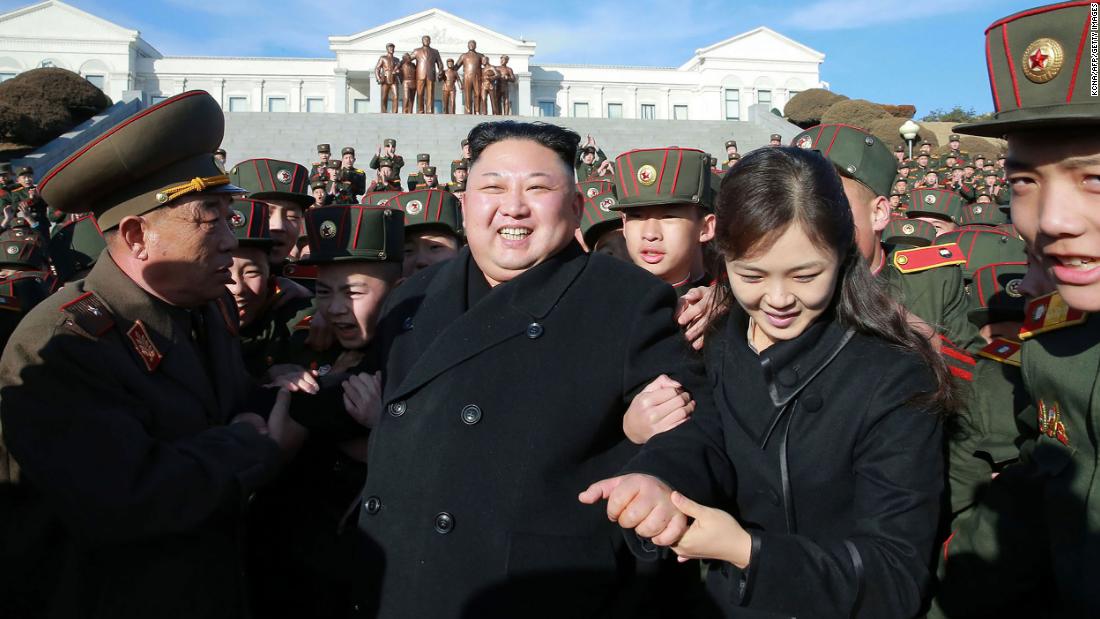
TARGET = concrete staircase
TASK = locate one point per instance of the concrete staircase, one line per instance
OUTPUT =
(55, 151)
(294, 136)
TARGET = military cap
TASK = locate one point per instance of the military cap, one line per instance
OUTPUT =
(934, 202)
(324, 148)
(430, 208)
(75, 246)
(347, 150)
(904, 165)
(658, 176)
(925, 143)
(968, 164)
(5, 168)
(149, 159)
(909, 232)
(249, 221)
(429, 170)
(318, 184)
(379, 198)
(387, 142)
(25, 253)
(220, 151)
(953, 138)
(982, 245)
(20, 230)
(855, 153)
(982, 214)
(270, 179)
(599, 216)
(355, 233)
(1039, 70)
(730, 143)
(385, 162)
(899, 149)
(462, 165)
(26, 170)
(591, 150)
(995, 294)
(595, 186)
(776, 136)
(425, 157)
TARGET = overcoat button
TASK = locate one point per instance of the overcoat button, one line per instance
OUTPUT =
(812, 402)
(373, 505)
(648, 545)
(471, 414)
(534, 330)
(397, 408)
(408, 324)
(787, 377)
(444, 523)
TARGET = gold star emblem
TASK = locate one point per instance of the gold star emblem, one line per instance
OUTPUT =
(1042, 60)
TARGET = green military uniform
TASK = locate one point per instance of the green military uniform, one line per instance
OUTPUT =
(731, 160)
(595, 186)
(1030, 547)
(416, 178)
(379, 198)
(397, 162)
(115, 404)
(983, 245)
(599, 216)
(908, 233)
(463, 162)
(666, 177)
(430, 209)
(318, 171)
(352, 182)
(926, 278)
(586, 171)
(391, 184)
(74, 248)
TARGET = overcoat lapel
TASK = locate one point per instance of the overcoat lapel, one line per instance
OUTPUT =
(447, 336)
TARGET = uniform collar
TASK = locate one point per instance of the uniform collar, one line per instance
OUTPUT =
(131, 302)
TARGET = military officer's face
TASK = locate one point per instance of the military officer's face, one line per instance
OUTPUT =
(953, 145)
(1055, 180)
(425, 248)
(325, 157)
(430, 180)
(422, 165)
(900, 186)
(348, 160)
(189, 250)
(26, 180)
(250, 272)
(930, 178)
(319, 196)
(923, 161)
(521, 207)
(612, 243)
(349, 297)
(925, 149)
(386, 172)
(731, 151)
(775, 142)
(460, 175)
(784, 288)
(466, 151)
(588, 157)
(942, 226)
(285, 222)
(667, 240)
(871, 213)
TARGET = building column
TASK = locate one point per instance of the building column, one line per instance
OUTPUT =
(633, 112)
(600, 112)
(779, 98)
(296, 95)
(523, 86)
(221, 94)
(567, 109)
(340, 91)
(747, 99)
(668, 103)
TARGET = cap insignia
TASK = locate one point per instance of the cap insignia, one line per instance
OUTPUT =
(1012, 288)
(414, 207)
(908, 228)
(236, 219)
(804, 142)
(327, 229)
(592, 191)
(1043, 60)
(283, 176)
(647, 175)
(606, 204)
(930, 198)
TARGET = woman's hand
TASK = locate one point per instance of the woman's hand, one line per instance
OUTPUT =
(660, 407)
(714, 534)
(639, 502)
(695, 313)
(293, 378)
(363, 397)
(289, 434)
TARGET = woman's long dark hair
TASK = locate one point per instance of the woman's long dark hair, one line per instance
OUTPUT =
(771, 188)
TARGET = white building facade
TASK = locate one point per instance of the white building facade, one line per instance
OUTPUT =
(718, 83)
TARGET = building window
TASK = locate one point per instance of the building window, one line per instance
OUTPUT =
(238, 104)
(649, 111)
(614, 110)
(679, 112)
(359, 106)
(315, 105)
(764, 97)
(99, 81)
(733, 104)
(6, 76)
(547, 108)
(580, 110)
(277, 104)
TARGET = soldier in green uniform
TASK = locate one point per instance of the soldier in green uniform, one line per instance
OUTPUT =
(123, 396)
(352, 178)
(7, 185)
(319, 169)
(1034, 538)
(284, 187)
(589, 160)
(24, 278)
(940, 207)
(459, 173)
(908, 233)
(303, 525)
(431, 180)
(319, 190)
(666, 200)
(465, 159)
(775, 140)
(386, 180)
(433, 227)
(423, 160)
(388, 150)
(731, 150)
(925, 148)
(928, 279)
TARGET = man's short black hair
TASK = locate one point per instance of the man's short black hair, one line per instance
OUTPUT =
(558, 139)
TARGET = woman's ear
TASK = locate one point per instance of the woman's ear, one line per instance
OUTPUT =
(709, 224)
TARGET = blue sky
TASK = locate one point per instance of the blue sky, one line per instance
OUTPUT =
(929, 53)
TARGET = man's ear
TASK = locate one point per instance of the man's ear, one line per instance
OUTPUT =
(709, 224)
(133, 231)
(880, 213)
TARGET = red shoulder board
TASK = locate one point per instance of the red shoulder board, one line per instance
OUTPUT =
(300, 271)
(230, 324)
(1048, 313)
(304, 323)
(144, 346)
(90, 314)
(11, 304)
(960, 364)
(1003, 351)
(924, 258)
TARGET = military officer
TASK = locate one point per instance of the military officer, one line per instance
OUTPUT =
(319, 169)
(589, 158)
(925, 148)
(731, 149)
(356, 178)
(24, 279)
(775, 140)
(386, 180)
(458, 173)
(388, 151)
(666, 223)
(319, 190)
(122, 396)
(423, 160)
(284, 187)
(899, 153)
(464, 159)
(433, 227)
(6, 183)
(1034, 540)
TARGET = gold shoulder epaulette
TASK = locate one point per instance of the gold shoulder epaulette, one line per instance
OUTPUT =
(924, 258)
(1049, 313)
(1003, 351)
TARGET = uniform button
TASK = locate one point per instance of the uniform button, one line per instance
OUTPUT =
(444, 523)
(812, 402)
(373, 505)
(648, 545)
(408, 324)
(471, 414)
(397, 408)
(787, 377)
(534, 330)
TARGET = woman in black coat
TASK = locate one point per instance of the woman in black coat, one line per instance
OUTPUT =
(829, 415)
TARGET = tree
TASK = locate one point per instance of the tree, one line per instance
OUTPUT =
(956, 114)
(807, 107)
(37, 106)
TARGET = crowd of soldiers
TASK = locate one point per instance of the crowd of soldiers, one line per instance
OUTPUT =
(205, 357)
